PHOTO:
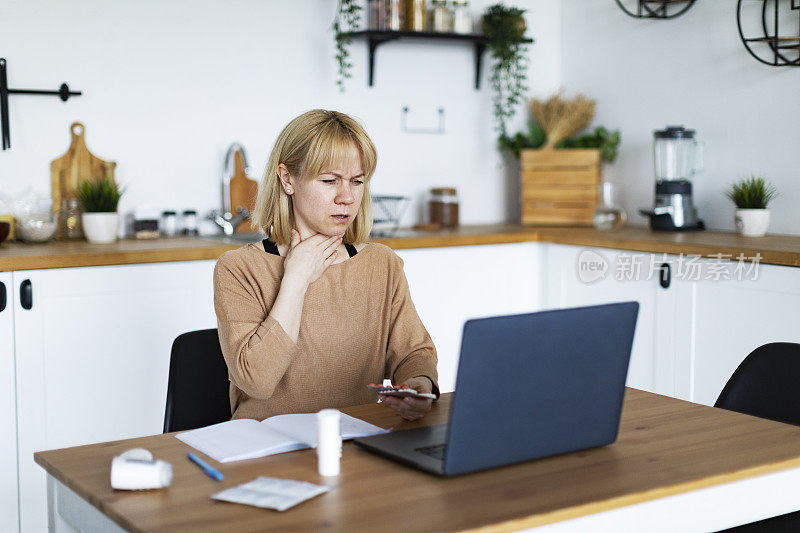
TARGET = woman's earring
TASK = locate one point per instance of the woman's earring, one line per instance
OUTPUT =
(288, 190)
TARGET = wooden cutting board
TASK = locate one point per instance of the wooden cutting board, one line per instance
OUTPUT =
(77, 164)
(243, 191)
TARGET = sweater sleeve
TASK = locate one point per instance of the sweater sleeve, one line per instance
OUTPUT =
(256, 348)
(410, 350)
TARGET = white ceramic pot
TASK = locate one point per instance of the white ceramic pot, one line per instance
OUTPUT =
(100, 228)
(752, 222)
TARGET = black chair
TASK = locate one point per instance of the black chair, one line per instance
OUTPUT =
(198, 389)
(766, 385)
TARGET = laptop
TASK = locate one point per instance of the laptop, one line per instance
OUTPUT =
(528, 386)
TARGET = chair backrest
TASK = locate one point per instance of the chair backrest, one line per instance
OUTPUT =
(766, 384)
(198, 390)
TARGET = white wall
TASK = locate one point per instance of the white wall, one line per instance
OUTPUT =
(168, 85)
(692, 70)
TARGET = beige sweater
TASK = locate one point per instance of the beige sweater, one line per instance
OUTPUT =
(358, 326)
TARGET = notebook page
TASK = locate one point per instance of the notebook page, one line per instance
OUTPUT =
(236, 440)
(303, 427)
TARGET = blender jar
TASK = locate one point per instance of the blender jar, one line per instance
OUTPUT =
(678, 155)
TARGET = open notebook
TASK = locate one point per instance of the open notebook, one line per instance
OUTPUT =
(236, 440)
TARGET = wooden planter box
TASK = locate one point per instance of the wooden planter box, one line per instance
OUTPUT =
(559, 187)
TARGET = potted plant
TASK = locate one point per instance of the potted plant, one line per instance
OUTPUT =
(752, 196)
(505, 28)
(560, 174)
(99, 200)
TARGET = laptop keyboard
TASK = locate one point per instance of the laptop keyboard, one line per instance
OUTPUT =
(436, 451)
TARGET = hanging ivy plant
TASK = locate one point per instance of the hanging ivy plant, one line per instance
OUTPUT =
(348, 18)
(505, 28)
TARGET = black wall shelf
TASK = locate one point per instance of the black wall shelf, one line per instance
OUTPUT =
(63, 92)
(780, 50)
(375, 38)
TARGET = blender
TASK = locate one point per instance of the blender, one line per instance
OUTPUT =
(677, 156)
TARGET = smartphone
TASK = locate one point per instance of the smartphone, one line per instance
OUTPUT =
(400, 393)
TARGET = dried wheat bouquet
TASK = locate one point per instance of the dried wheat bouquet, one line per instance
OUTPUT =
(562, 118)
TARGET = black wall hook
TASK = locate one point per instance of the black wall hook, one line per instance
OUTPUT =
(63, 92)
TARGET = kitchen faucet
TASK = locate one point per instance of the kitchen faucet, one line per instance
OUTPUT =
(227, 220)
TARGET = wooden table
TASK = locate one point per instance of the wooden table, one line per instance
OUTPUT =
(675, 466)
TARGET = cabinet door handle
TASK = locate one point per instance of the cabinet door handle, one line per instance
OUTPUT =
(665, 275)
(3, 297)
(26, 294)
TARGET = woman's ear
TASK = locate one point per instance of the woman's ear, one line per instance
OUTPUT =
(285, 178)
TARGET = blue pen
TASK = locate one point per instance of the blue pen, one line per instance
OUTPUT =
(210, 471)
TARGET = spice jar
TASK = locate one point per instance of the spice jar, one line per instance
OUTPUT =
(441, 19)
(70, 219)
(444, 207)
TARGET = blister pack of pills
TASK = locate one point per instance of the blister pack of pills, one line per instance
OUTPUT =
(271, 493)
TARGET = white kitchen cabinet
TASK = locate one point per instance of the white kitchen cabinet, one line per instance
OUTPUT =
(566, 286)
(92, 357)
(8, 416)
(729, 319)
(691, 336)
(452, 284)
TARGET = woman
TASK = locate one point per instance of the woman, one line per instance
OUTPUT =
(312, 315)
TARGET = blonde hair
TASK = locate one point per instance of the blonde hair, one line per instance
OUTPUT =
(309, 145)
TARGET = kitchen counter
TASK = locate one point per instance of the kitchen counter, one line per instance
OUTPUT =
(774, 249)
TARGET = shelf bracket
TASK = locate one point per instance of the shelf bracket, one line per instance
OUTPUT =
(479, 49)
(373, 43)
(63, 92)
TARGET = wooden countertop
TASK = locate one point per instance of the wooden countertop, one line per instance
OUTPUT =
(665, 447)
(774, 249)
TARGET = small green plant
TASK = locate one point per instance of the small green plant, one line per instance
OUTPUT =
(752, 193)
(534, 137)
(99, 196)
(505, 28)
(606, 141)
(347, 20)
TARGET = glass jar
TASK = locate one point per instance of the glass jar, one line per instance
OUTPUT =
(376, 14)
(608, 215)
(169, 223)
(462, 20)
(443, 207)
(441, 18)
(395, 14)
(190, 223)
(70, 219)
(415, 15)
(386, 14)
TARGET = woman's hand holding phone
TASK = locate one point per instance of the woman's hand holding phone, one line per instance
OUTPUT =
(411, 408)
